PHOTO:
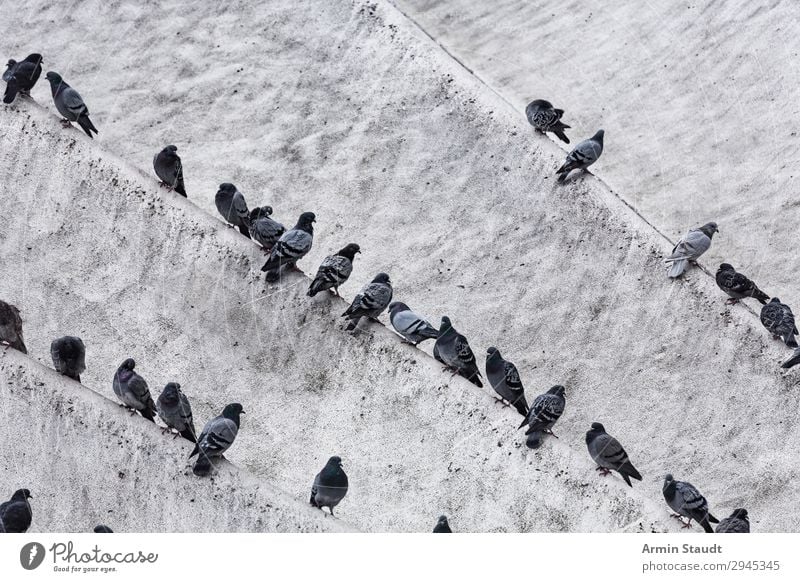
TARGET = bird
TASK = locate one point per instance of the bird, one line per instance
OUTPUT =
(737, 286)
(334, 270)
(689, 248)
(778, 318)
(583, 156)
(132, 390)
(11, 327)
(544, 118)
(292, 246)
(504, 378)
(69, 356)
(370, 302)
(263, 229)
(16, 514)
(452, 350)
(174, 409)
(69, 103)
(738, 522)
(330, 485)
(233, 208)
(793, 360)
(546, 409)
(217, 437)
(102, 529)
(442, 525)
(685, 500)
(169, 169)
(609, 455)
(408, 324)
(20, 77)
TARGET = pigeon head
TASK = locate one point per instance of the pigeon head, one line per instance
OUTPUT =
(227, 187)
(128, 364)
(261, 212)
(11, 63)
(598, 427)
(54, 78)
(349, 251)
(709, 229)
(171, 393)
(102, 529)
(493, 352)
(335, 461)
(382, 278)
(540, 104)
(599, 135)
(446, 325)
(34, 58)
(741, 513)
(232, 411)
(557, 389)
(306, 222)
(21, 495)
(442, 520)
(726, 267)
(397, 306)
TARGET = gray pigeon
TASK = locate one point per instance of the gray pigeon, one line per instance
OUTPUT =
(16, 514)
(442, 525)
(778, 318)
(544, 117)
(792, 361)
(583, 156)
(689, 248)
(263, 229)
(546, 409)
(21, 77)
(169, 169)
(174, 409)
(334, 270)
(452, 350)
(609, 455)
(504, 378)
(11, 327)
(686, 501)
(370, 301)
(737, 286)
(738, 522)
(69, 103)
(291, 247)
(102, 529)
(132, 390)
(233, 208)
(69, 356)
(408, 324)
(330, 485)
(217, 437)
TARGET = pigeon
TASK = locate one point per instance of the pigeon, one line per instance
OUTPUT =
(69, 103)
(793, 361)
(291, 247)
(15, 514)
(21, 77)
(738, 522)
(544, 118)
(583, 156)
(408, 324)
(737, 286)
(689, 248)
(217, 437)
(504, 378)
(334, 270)
(132, 390)
(330, 485)
(778, 318)
(609, 455)
(264, 230)
(233, 208)
(174, 409)
(442, 526)
(103, 529)
(370, 301)
(69, 356)
(686, 501)
(169, 169)
(452, 350)
(546, 409)
(11, 327)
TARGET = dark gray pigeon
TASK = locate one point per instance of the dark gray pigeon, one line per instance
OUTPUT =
(16, 514)
(169, 169)
(11, 327)
(330, 485)
(217, 437)
(174, 409)
(132, 390)
(793, 361)
(505, 380)
(442, 526)
(263, 229)
(686, 501)
(546, 409)
(233, 208)
(778, 318)
(70, 104)
(291, 247)
(737, 286)
(583, 156)
(69, 356)
(408, 324)
(738, 522)
(609, 455)
(689, 248)
(452, 350)
(334, 271)
(21, 77)
(544, 117)
(370, 301)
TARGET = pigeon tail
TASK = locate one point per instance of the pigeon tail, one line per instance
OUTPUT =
(188, 434)
(181, 190)
(149, 413)
(762, 297)
(790, 340)
(244, 230)
(677, 268)
(19, 345)
(521, 407)
(86, 125)
(203, 466)
(11, 91)
(793, 361)
(706, 526)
